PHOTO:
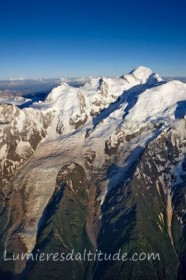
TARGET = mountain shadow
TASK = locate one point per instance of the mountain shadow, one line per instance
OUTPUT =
(180, 109)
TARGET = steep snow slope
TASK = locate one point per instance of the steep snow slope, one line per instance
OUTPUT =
(157, 105)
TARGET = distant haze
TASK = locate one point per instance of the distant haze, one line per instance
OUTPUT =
(32, 87)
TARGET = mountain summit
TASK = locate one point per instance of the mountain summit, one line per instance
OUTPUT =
(98, 166)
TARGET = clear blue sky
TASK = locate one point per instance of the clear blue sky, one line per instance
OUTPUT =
(54, 38)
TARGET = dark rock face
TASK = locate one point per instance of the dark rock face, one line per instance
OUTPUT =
(144, 215)
(63, 226)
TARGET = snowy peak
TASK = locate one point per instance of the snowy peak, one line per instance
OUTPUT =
(141, 72)
(144, 75)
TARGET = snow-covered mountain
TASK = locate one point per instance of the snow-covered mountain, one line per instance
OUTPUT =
(113, 148)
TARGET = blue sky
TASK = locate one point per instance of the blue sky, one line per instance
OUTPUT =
(52, 38)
